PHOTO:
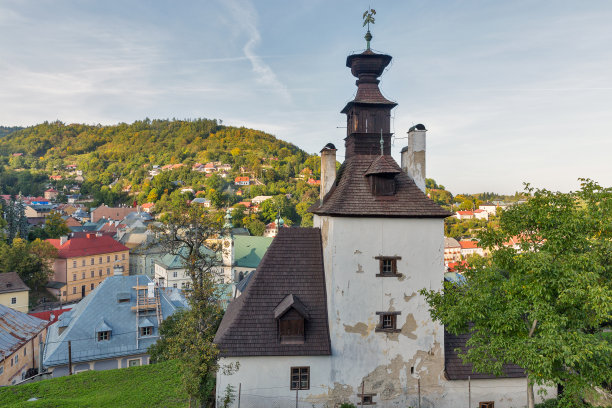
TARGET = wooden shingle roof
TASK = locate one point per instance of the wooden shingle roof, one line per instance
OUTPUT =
(351, 194)
(456, 370)
(293, 265)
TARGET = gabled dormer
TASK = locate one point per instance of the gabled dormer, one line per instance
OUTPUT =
(291, 315)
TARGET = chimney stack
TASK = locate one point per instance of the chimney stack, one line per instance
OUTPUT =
(413, 155)
(328, 169)
(118, 270)
(63, 239)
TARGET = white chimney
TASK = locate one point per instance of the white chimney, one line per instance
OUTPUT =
(151, 289)
(328, 169)
(63, 239)
(118, 270)
(413, 155)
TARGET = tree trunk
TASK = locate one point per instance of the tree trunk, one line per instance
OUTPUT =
(530, 398)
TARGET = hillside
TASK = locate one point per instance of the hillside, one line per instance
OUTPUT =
(154, 385)
(5, 130)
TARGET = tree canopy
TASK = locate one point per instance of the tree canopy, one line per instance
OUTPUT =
(541, 305)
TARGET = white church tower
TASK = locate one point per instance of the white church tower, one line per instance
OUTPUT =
(383, 241)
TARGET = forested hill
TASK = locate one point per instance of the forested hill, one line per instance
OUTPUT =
(149, 141)
(5, 130)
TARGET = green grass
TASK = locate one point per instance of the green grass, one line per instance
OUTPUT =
(156, 385)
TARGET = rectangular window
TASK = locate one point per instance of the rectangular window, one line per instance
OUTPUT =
(108, 258)
(134, 363)
(82, 275)
(108, 271)
(146, 331)
(300, 378)
(93, 273)
(74, 276)
(174, 285)
(103, 335)
(1, 370)
(13, 301)
(486, 404)
(100, 260)
(93, 261)
(74, 290)
(74, 264)
(25, 351)
(387, 265)
(83, 262)
(367, 399)
(100, 272)
(16, 359)
(387, 322)
(123, 256)
(116, 257)
(174, 274)
(92, 286)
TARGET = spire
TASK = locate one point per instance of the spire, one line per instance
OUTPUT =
(368, 17)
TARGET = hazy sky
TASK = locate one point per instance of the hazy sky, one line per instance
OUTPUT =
(510, 91)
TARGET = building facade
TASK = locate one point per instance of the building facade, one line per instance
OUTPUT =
(20, 339)
(83, 263)
(13, 292)
(333, 314)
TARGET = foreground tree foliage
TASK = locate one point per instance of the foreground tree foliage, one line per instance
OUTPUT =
(188, 335)
(31, 260)
(543, 305)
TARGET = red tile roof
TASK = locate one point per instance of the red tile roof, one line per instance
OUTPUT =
(46, 315)
(468, 244)
(465, 213)
(91, 245)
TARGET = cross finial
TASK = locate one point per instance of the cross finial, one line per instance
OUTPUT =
(368, 17)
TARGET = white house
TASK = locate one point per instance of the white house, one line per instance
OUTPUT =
(333, 313)
(481, 214)
(464, 215)
(260, 199)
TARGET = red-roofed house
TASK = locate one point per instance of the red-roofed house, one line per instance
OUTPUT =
(481, 214)
(242, 181)
(464, 215)
(147, 207)
(51, 194)
(314, 182)
(470, 248)
(82, 263)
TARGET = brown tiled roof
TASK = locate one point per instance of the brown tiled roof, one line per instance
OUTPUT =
(11, 282)
(351, 195)
(383, 165)
(293, 265)
(456, 370)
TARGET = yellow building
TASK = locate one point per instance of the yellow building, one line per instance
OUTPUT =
(13, 292)
(83, 263)
(20, 346)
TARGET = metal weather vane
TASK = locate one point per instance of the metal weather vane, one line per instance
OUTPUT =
(368, 17)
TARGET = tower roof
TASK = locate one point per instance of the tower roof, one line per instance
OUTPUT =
(367, 67)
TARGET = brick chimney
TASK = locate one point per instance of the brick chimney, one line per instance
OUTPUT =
(328, 169)
(413, 155)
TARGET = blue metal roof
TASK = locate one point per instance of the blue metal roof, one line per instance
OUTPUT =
(16, 328)
(101, 306)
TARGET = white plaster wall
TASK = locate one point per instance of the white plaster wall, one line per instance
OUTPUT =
(265, 381)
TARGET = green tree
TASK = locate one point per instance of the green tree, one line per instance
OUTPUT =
(255, 226)
(542, 306)
(31, 261)
(189, 337)
(152, 196)
(55, 226)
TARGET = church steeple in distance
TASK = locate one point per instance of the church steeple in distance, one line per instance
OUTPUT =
(369, 113)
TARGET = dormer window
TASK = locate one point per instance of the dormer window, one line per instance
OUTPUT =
(382, 185)
(104, 335)
(291, 315)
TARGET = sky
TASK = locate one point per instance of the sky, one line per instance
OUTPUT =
(510, 91)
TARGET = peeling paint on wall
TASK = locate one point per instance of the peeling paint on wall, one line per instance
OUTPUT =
(337, 395)
(408, 297)
(360, 328)
(395, 379)
(359, 268)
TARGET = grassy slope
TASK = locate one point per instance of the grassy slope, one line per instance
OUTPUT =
(155, 385)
